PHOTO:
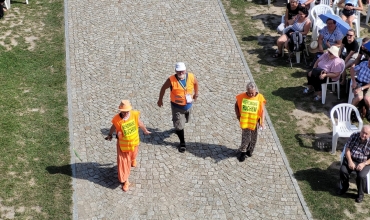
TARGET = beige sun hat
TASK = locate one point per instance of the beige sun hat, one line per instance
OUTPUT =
(334, 50)
(125, 106)
(314, 47)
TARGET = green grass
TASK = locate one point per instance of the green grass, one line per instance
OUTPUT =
(34, 123)
(308, 153)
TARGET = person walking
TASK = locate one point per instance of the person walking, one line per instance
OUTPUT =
(184, 91)
(249, 110)
(126, 124)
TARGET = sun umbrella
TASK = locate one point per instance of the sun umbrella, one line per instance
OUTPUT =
(367, 46)
(341, 25)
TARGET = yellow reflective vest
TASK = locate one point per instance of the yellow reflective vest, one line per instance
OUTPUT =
(128, 131)
(250, 109)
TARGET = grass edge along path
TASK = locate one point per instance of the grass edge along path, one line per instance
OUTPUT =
(35, 164)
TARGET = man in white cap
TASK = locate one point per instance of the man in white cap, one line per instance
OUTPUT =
(184, 91)
(126, 124)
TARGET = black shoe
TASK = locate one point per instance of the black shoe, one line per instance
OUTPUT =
(341, 191)
(249, 153)
(353, 117)
(368, 115)
(241, 157)
(182, 148)
(359, 199)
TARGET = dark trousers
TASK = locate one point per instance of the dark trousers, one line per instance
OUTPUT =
(316, 82)
(345, 172)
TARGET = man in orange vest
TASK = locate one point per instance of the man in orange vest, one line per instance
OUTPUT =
(184, 91)
(249, 109)
(126, 124)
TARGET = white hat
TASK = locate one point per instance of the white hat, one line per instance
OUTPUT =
(334, 50)
(180, 66)
(314, 47)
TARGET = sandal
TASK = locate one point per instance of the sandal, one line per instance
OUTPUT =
(125, 186)
(317, 98)
(307, 91)
(276, 55)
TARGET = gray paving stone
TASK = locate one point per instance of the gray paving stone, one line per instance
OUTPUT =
(126, 51)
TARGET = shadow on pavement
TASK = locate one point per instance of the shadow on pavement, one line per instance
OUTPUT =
(102, 174)
(203, 150)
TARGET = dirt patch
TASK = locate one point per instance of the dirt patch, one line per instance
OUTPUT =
(16, 28)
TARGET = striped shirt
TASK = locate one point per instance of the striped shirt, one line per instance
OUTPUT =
(360, 151)
(299, 26)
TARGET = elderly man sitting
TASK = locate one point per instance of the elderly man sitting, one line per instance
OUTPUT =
(356, 158)
(361, 85)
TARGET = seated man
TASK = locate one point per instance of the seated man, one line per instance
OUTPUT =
(361, 85)
(356, 158)
(363, 53)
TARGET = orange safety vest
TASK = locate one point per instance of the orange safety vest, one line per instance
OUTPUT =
(250, 109)
(178, 92)
(128, 131)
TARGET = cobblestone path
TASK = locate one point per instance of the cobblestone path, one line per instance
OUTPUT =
(126, 49)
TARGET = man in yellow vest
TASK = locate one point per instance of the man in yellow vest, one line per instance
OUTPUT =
(249, 109)
(126, 124)
(184, 91)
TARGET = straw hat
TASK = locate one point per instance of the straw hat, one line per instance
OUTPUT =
(334, 50)
(125, 106)
(314, 47)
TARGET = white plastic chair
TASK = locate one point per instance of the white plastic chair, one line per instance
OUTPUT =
(367, 14)
(367, 190)
(335, 7)
(356, 21)
(342, 127)
(316, 21)
(324, 86)
(325, 2)
(7, 3)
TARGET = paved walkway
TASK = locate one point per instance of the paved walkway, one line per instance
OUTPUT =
(126, 49)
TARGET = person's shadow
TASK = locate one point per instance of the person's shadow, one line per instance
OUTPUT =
(203, 150)
(102, 174)
(324, 180)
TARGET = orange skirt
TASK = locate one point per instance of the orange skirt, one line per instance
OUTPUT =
(124, 160)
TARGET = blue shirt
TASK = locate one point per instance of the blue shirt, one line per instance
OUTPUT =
(363, 72)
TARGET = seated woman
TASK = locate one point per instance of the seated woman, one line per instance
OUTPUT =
(349, 9)
(290, 15)
(350, 44)
(305, 3)
(302, 24)
(329, 36)
(328, 65)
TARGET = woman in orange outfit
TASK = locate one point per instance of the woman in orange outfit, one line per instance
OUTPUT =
(126, 124)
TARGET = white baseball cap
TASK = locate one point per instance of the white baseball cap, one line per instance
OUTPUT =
(180, 66)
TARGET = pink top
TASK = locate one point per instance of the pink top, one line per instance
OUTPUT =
(331, 65)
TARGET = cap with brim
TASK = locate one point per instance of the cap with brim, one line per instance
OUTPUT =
(125, 106)
(180, 66)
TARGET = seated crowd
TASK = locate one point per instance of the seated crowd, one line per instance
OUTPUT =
(334, 53)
